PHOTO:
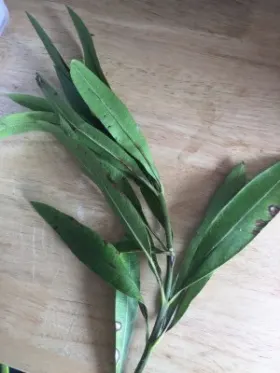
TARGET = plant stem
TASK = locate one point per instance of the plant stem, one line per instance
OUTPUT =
(144, 358)
(158, 328)
(169, 275)
(153, 340)
(169, 243)
(167, 224)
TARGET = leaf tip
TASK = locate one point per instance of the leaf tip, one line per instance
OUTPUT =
(74, 63)
(35, 203)
(31, 18)
(69, 9)
(38, 206)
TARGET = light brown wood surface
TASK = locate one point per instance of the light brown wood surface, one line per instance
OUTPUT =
(202, 78)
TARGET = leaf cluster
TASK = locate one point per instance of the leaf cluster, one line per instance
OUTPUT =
(95, 126)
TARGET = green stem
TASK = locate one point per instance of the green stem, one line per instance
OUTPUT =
(169, 243)
(167, 224)
(169, 275)
(158, 329)
(144, 358)
(153, 340)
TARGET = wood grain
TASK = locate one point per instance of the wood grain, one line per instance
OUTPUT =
(202, 79)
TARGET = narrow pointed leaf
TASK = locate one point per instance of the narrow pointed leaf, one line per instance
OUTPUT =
(113, 114)
(90, 56)
(51, 49)
(125, 313)
(237, 223)
(62, 71)
(26, 122)
(73, 96)
(90, 249)
(153, 203)
(232, 184)
(31, 102)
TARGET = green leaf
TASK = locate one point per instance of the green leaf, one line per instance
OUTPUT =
(232, 184)
(113, 114)
(153, 203)
(51, 49)
(41, 121)
(102, 174)
(126, 246)
(237, 223)
(62, 71)
(88, 135)
(49, 122)
(31, 102)
(125, 313)
(90, 249)
(123, 208)
(74, 98)
(90, 56)
(25, 122)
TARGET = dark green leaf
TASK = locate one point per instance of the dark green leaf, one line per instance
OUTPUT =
(127, 245)
(90, 56)
(125, 313)
(229, 188)
(113, 115)
(90, 249)
(74, 98)
(63, 73)
(153, 203)
(232, 184)
(51, 49)
(237, 223)
(31, 102)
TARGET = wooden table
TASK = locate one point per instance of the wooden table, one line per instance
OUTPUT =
(202, 78)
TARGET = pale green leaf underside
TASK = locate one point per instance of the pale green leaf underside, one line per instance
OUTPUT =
(125, 314)
(25, 122)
